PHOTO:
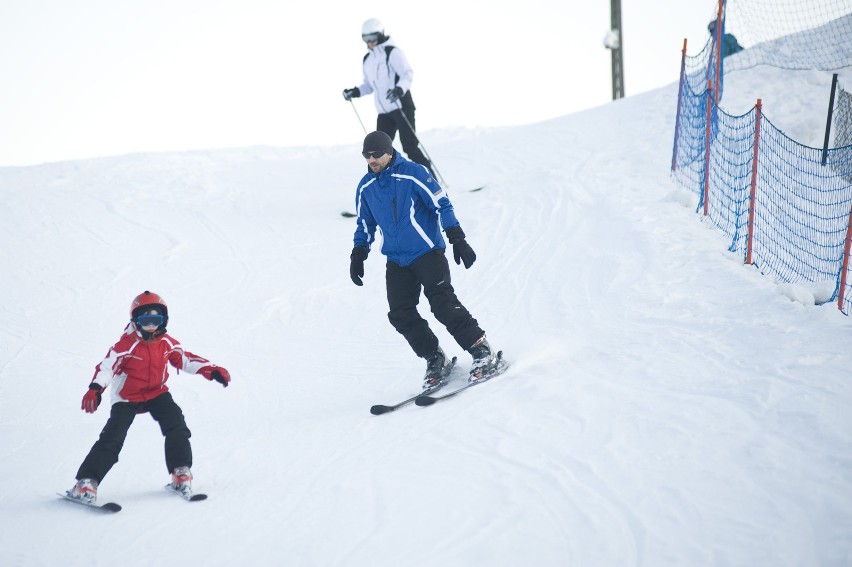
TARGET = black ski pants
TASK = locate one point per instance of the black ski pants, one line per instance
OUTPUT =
(431, 273)
(104, 453)
(391, 122)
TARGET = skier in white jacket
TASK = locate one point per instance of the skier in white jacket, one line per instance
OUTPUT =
(388, 75)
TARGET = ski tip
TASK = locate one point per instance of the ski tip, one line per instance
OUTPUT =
(108, 507)
(197, 497)
(424, 401)
(379, 409)
(347, 214)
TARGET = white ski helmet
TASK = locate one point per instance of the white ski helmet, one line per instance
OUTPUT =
(371, 26)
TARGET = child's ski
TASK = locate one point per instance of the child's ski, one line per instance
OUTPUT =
(108, 507)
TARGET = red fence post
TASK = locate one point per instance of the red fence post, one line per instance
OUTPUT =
(845, 264)
(679, 99)
(718, 51)
(707, 136)
(758, 113)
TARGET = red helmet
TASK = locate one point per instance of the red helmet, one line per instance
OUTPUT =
(148, 298)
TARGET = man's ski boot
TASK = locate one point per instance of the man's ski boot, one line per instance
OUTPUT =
(437, 368)
(484, 361)
(181, 481)
(86, 491)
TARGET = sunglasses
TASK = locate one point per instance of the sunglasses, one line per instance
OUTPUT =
(374, 155)
(149, 320)
(370, 37)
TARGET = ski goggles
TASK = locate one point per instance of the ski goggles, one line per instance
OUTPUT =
(150, 320)
(374, 155)
(370, 37)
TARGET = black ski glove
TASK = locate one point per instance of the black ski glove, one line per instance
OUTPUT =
(356, 264)
(349, 94)
(394, 94)
(462, 252)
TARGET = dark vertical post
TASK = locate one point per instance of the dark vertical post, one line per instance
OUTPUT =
(828, 120)
(617, 51)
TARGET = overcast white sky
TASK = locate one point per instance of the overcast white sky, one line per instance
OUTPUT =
(98, 77)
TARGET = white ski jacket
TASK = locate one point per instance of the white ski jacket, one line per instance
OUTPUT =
(386, 67)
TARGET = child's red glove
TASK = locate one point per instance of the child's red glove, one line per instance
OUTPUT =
(216, 373)
(92, 399)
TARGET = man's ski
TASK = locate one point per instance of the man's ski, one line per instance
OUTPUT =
(379, 409)
(426, 399)
(188, 495)
(110, 507)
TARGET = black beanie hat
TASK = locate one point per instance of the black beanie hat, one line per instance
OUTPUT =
(378, 141)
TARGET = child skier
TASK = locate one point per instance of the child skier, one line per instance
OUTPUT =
(136, 368)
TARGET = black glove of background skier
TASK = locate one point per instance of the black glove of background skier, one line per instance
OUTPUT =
(462, 252)
(349, 94)
(394, 94)
(356, 264)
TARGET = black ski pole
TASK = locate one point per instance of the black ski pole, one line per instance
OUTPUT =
(358, 115)
(420, 143)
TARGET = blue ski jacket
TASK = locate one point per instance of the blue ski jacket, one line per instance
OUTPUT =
(409, 207)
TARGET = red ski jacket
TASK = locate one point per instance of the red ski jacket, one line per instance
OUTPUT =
(137, 369)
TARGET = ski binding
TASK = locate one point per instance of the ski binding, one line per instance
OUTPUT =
(187, 495)
(500, 366)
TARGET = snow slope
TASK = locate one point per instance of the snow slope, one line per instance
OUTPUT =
(666, 405)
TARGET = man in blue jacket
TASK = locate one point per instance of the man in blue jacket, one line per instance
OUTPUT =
(405, 201)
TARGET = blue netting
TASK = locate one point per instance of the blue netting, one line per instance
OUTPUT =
(790, 34)
(801, 210)
(802, 195)
(843, 118)
(726, 196)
